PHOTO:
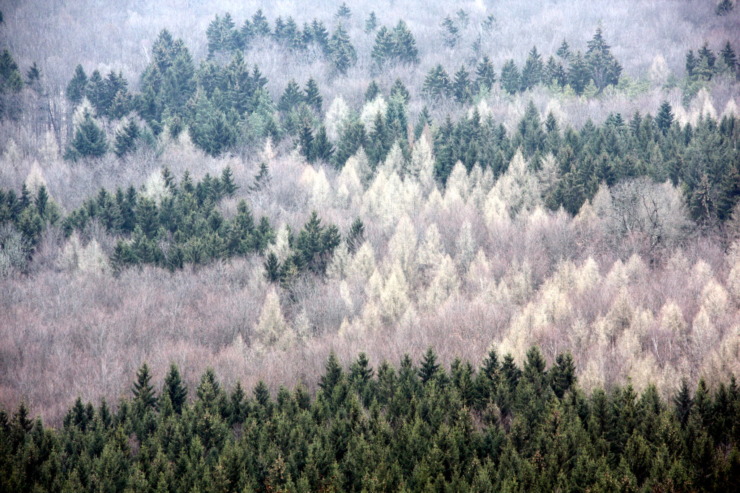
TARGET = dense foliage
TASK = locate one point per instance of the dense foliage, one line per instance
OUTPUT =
(417, 427)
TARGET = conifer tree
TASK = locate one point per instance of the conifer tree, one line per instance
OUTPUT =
(404, 45)
(533, 70)
(312, 97)
(89, 140)
(126, 139)
(323, 149)
(371, 24)
(461, 86)
(372, 92)
(450, 32)
(578, 74)
(343, 54)
(291, 98)
(729, 57)
(429, 366)
(143, 390)
(485, 75)
(77, 87)
(399, 92)
(664, 119)
(383, 48)
(175, 389)
(510, 78)
(344, 13)
(437, 83)
(228, 187)
(603, 67)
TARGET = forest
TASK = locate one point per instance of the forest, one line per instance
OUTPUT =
(472, 246)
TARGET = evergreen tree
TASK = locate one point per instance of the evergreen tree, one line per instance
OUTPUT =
(664, 120)
(143, 390)
(343, 54)
(437, 83)
(272, 268)
(683, 402)
(485, 75)
(533, 70)
(578, 74)
(371, 24)
(260, 26)
(372, 91)
(729, 57)
(323, 150)
(604, 68)
(399, 92)
(305, 142)
(564, 51)
(404, 45)
(383, 48)
(450, 32)
(175, 389)
(10, 77)
(461, 86)
(228, 187)
(563, 374)
(344, 13)
(724, 7)
(510, 79)
(355, 236)
(89, 140)
(313, 98)
(291, 98)
(126, 139)
(77, 87)
(429, 366)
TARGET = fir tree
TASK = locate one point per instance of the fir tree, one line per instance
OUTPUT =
(429, 366)
(344, 13)
(604, 68)
(323, 149)
(272, 268)
(77, 87)
(175, 389)
(371, 24)
(450, 32)
(399, 92)
(126, 139)
(485, 75)
(89, 140)
(312, 97)
(291, 98)
(510, 79)
(343, 54)
(564, 51)
(664, 120)
(143, 390)
(461, 86)
(437, 83)
(372, 92)
(729, 57)
(532, 71)
(228, 187)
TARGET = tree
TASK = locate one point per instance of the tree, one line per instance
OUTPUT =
(429, 366)
(399, 92)
(604, 68)
(683, 402)
(510, 79)
(291, 98)
(344, 13)
(485, 75)
(77, 87)
(437, 83)
(450, 32)
(143, 390)
(724, 7)
(89, 140)
(343, 55)
(313, 97)
(404, 45)
(175, 389)
(563, 374)
(664, 120)
(461, 86)
(126, 138)
(371, 24)
(10, 76)
(578, 74)
(729, 57)
(533, 70)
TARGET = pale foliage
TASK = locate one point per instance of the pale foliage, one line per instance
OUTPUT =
(272, 329)
(281, 246)
(155, 188)
(371, 110)
(339, 264)
(362, 265)
(421, 166)
(402, 247)
(35, 178)
(518, 189)
(88, 258)
(444, 284)
(659, 71)
(336, 118)
(465, 246)
(394, 297)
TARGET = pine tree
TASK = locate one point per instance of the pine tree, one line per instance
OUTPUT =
(372, 92)
(429, 366)
(175, 389)
(291, 98)
(485, 75)
(305, 142)
(563, 374)
(729, 57)
(461, 86)
(126, 139)
(143, 390)
(343, 54)
(510, 79)
(77, 87)
(664, 120)
(604, 68)
(89, 140)
(371, 24)
(533, 70)
(313, 98)
(450, 32)
(437, 83)
(332, 376)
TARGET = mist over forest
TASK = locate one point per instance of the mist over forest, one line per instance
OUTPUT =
(472, 227)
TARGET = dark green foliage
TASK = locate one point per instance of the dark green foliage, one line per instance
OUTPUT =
(353, 137)
(313, 97)
(373, 90)
(356, 235)
(144, 396)
(384, 430)
(604, 68)
(77, 87)
(343, 13)
(399, 92)
(724, 7)
(533, 71)
(342, 54)
(664, 119)
(437, 84)
(510, 78)
(394, 46)
(126, 138)
(89, 140)
(461, 86)
(450, 32)
(10, 76)
(579, 74)
(485, 76)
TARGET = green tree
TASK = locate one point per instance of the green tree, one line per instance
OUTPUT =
(604, 68)
(664, 120)
(77, 87)
(510, 78)
(533, 70)
(485, 75)
(89, 140)
(143, 390)
(461, 86)
(126, 139)
(342, 54)
(437, 83)
(312, 96)
(175, 389)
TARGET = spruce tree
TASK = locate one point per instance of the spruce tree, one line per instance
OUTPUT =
(371, 24)
(533, 70)
(143, 390)
(404, 45)
(383, 48)
(429, 366)
(485, 75)
(343, 55)
(312, 97)
(126, 139)
(77, 87)
(399, 92)
(729, 57)
(323, 149)
(510, 79)
(461, 86)
(604, 68)
(450, 32)
(664, 120)
(578, 74)
(272, 268)
(228, 187)
(372, 92)
(291, 98)
(89, 140)
(175, 389)
(437, 83)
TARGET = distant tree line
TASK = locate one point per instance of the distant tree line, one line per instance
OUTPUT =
(415, 427)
